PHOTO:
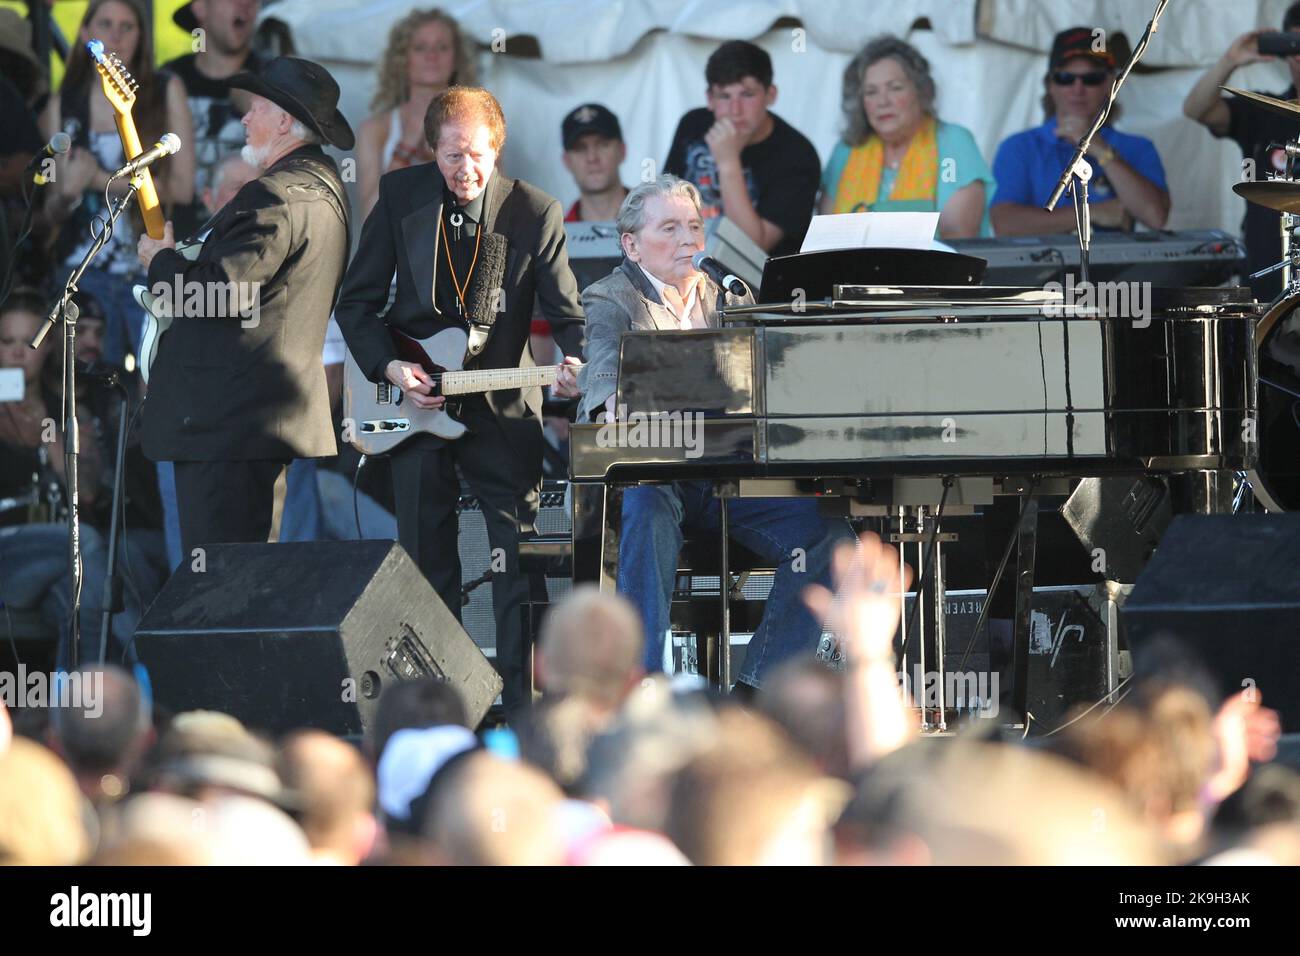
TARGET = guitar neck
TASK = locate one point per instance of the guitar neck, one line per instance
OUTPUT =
(147, 196)
(495, 379)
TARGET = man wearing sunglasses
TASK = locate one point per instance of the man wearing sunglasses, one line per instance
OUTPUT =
(1128, 180)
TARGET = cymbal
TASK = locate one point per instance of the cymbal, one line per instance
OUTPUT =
(1282, 195)
(1284, 108)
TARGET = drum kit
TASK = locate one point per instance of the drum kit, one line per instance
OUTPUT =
(1275, 480)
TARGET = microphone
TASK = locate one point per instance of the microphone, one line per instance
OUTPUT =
(719, 273)
(59, 144)
(169, 144)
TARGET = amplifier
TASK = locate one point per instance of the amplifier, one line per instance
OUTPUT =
(1070, 660)
(553, 517)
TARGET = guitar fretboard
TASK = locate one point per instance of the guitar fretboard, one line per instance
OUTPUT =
(496, 379)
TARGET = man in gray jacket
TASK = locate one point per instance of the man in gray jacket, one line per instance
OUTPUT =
(656, 286)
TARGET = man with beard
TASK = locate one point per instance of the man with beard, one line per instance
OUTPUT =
(238, 389)
(222, 33)
(471, 249)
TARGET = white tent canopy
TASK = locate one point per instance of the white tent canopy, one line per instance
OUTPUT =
(645, 61)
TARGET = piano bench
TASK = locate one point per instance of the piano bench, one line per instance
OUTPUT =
(701, 557)
(702, 615)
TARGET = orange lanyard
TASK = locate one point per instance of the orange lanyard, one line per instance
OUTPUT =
(462, 289)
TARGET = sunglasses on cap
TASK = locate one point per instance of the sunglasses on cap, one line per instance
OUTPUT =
(1066, 78)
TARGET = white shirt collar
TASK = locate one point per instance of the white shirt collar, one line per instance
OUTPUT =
(692, 309)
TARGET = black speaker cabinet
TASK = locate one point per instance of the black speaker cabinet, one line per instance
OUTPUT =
(306, 634)
(1229, 587)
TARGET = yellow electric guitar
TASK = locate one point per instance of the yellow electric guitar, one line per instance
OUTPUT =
(119, 86)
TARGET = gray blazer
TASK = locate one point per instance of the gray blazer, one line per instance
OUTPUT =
(624, 301)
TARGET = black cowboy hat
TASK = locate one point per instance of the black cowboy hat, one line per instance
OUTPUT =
(185, 19)
(306, 91)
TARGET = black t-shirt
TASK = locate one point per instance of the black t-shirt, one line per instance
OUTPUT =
(217, 128)
(1254, 129)
(782, 174)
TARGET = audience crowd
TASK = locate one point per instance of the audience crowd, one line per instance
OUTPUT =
(822, 767)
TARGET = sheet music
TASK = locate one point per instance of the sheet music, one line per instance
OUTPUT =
(868, 230)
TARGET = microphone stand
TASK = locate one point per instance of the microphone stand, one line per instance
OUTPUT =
(66, 311)
(112, 586)
(1077, 172)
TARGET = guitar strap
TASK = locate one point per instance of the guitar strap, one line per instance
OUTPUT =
(485, 296)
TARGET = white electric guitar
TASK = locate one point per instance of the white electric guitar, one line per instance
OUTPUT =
(381, 416)
(158, 316)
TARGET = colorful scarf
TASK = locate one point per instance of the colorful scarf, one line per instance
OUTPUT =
(918, 173)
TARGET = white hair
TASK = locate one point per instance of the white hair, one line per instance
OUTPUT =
(300, 131)
(631, 215)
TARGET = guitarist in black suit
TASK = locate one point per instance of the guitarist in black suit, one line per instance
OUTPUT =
(475, 250)
(238, 389)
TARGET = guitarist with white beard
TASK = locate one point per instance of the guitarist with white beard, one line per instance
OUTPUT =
(474, 250)
(233, 398)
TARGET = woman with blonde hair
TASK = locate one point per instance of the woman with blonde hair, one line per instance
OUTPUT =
(426, 53)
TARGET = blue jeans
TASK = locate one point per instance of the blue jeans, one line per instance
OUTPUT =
(171, 513)
(654, 519)
(34, 576)
(301, 519)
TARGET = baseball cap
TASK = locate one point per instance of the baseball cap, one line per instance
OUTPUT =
(1079, 42)
(589, 118)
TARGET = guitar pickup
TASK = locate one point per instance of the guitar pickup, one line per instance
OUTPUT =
(386, 425)
(384, 393)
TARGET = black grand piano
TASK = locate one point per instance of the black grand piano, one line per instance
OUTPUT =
(894, 382)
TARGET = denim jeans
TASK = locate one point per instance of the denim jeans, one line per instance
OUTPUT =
(301, 519)
(654, 520)
(171, 513)
(34, 576)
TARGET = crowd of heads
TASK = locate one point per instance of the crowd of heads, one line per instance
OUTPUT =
(614, 768)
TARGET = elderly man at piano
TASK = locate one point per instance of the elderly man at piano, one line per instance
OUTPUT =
(656, 287)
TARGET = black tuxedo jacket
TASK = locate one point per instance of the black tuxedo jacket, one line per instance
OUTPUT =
(228, 386)
(401, 237)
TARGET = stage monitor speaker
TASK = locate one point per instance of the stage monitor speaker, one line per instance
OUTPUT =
(1229, 587)
(305, 634)
(1120, 521)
